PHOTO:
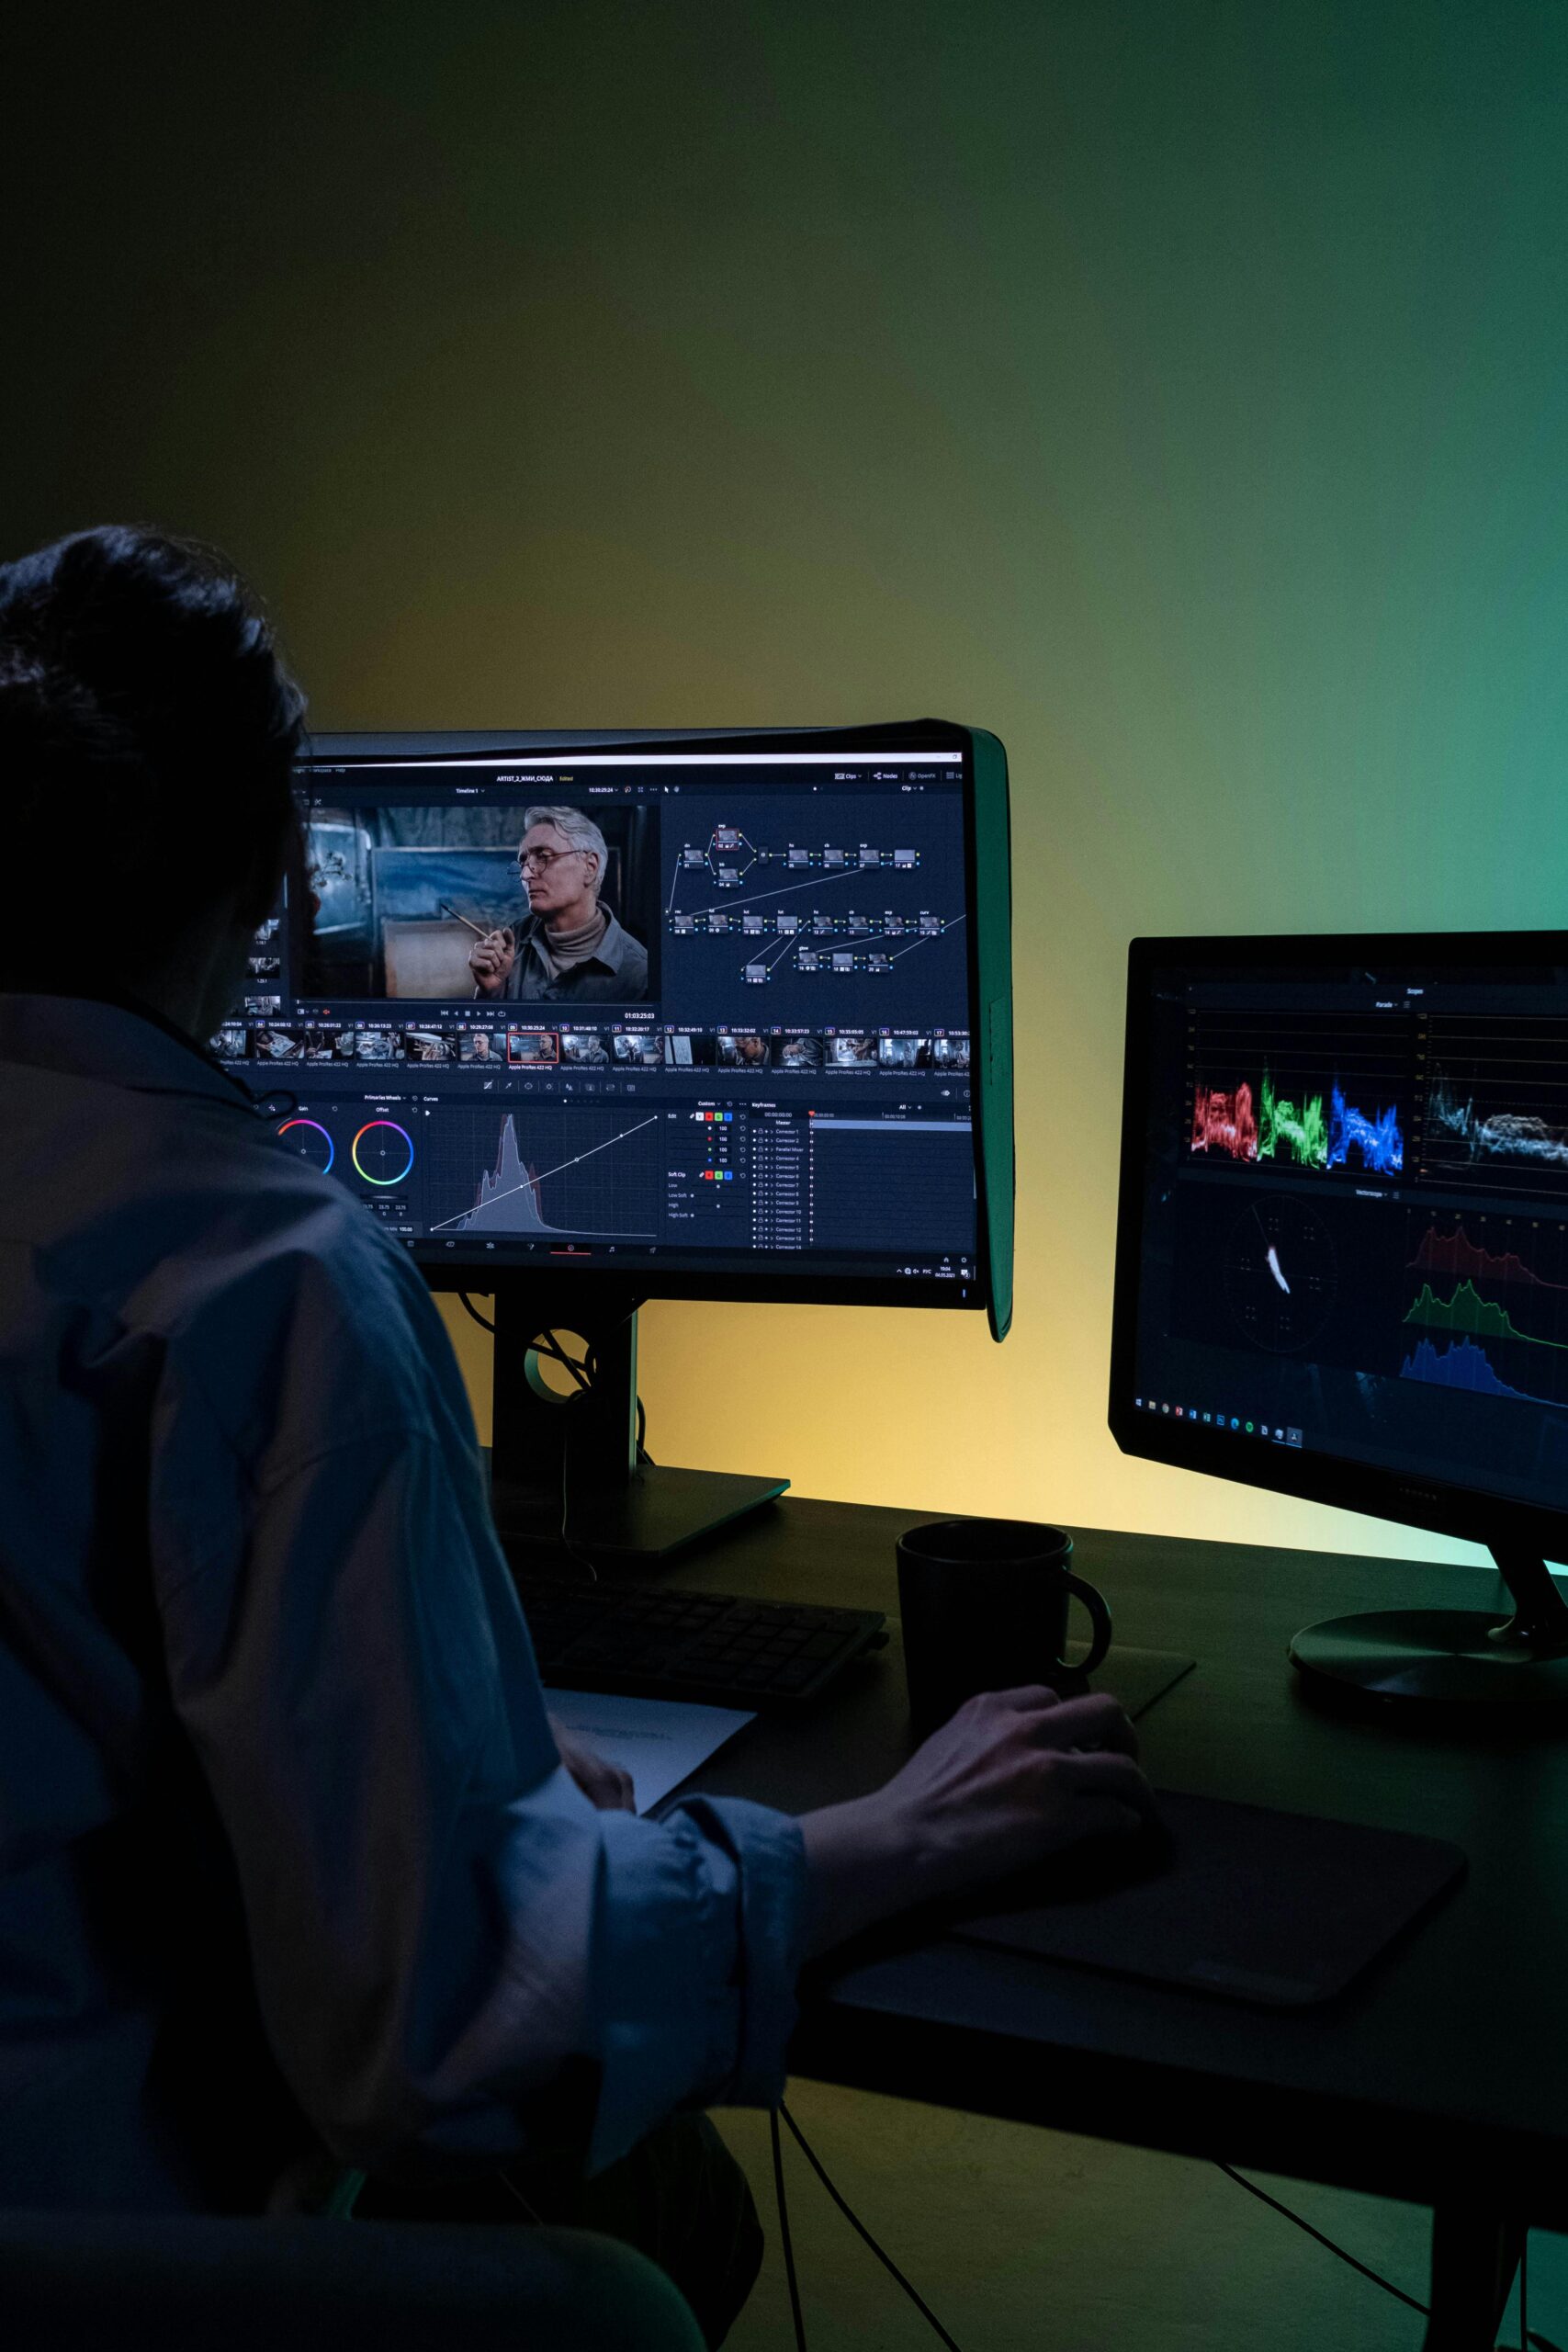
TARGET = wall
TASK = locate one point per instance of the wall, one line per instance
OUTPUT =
(1178, 390)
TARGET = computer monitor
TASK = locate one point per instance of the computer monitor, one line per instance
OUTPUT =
(1342, 1264)
(586, 1019)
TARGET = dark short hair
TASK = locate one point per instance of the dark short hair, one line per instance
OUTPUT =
(146, 718)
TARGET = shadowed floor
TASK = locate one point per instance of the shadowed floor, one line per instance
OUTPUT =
(1031, 2239)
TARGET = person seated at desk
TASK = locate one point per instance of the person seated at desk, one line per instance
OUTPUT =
(290, 1858)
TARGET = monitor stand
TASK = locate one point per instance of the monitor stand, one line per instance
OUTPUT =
(1461, 1660)
(565, 1476)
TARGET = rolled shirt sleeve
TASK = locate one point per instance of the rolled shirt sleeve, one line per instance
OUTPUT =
(454, 1953)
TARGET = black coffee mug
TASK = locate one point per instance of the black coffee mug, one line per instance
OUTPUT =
(984, 1604)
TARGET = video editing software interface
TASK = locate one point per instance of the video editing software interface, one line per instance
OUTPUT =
(704, 1013)
(1355, 1236)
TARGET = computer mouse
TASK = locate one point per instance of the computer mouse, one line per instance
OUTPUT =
(1097, 1865)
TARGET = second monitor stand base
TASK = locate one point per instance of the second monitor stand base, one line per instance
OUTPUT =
(1435, 1657)
(655, 1513)
(1468, 1664)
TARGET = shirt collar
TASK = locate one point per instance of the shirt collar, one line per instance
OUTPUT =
(608, 951)
(115, 1040)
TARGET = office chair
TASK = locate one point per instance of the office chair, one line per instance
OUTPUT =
(193, 2283)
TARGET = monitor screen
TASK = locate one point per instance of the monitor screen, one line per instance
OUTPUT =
(699, 1016)
(1343, 1245)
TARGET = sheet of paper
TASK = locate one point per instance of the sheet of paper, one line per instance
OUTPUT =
(658, 1741)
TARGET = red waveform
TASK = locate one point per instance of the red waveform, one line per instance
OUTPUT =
(1225, 1122)
(1456, 1253)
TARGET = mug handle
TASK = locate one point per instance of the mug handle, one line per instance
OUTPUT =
(1099, 1614)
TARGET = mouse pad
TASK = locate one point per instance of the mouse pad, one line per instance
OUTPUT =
(1278, 1908)
(1135, 1677)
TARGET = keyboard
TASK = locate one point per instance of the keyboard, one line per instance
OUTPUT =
(708, 1646)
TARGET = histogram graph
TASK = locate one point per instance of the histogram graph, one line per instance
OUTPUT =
(544, 1173)
(1468, 1311)
(1462, 1364)
(1457, 1254)
(1460, 1332)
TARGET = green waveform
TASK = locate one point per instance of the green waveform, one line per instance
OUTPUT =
(1304, 1135)
(1468, 1311)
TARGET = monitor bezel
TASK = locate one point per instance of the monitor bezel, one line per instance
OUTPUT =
(988, 964)
(1440, 1507)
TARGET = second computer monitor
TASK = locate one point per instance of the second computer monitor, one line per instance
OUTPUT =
(1343, 1250)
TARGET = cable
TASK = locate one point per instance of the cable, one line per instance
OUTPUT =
(583, 1372)
(510, 2186)
(1376, 2276)
(546, 1344)
(859, 2227)
(784, 2230)
(344, 2195)
(572, 1550)
(1527, 2335)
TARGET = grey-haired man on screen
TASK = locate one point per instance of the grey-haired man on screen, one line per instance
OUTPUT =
(570, 950)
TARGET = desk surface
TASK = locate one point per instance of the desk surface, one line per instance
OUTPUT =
(1443, 2071)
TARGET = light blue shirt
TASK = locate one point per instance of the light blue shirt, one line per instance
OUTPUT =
(258, 1641)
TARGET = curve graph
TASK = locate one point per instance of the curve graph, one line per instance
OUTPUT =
(548, 1174)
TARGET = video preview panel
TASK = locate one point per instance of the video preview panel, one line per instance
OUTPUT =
(499, 904)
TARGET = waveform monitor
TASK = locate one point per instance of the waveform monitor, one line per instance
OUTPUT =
(1342, 1258)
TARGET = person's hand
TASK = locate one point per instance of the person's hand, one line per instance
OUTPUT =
(491, 958)
(1014, 1777)
(603, 1783)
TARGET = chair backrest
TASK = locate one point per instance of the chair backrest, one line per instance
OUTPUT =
(160, 2283)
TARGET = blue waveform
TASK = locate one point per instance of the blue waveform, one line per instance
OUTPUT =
(1509, 1134)
(1462, 1364)
(1378, 1140)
